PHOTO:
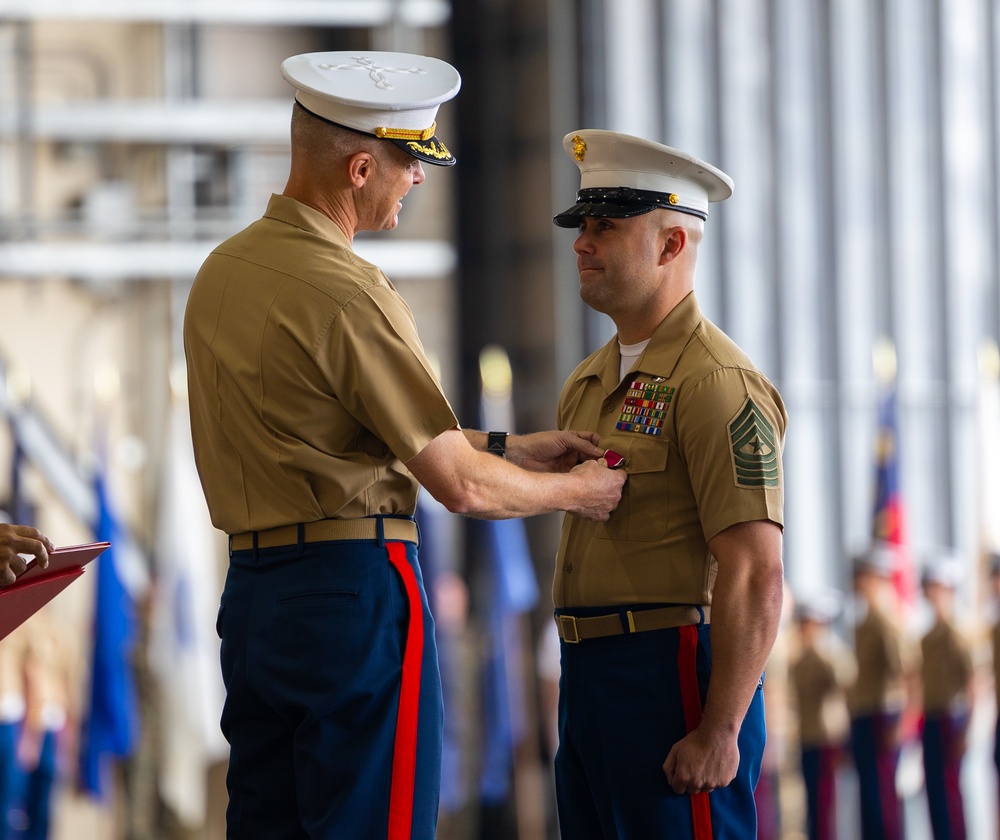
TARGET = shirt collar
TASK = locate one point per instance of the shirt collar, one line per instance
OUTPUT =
(668, 342)
(281, 208)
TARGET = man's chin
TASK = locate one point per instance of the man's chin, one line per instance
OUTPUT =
(595, 301)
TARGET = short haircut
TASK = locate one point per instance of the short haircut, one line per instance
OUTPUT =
(327, 143)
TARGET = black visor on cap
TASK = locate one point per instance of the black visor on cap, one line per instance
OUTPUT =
(618, 203)
(429, 151)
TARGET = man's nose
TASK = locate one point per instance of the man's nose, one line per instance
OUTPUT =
(418, 174)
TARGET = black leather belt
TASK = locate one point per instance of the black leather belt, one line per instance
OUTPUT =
(327, 530)
(574, 629)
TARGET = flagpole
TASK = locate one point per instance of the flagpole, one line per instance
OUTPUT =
(889, 515)
(528, 782)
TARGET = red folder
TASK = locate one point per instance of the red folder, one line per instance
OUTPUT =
(36, 586)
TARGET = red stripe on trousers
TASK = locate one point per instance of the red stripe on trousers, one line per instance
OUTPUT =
(687, 667)
(404, 757)
(826, 819)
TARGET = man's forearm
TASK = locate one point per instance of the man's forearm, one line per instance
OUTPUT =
(744, 627)
(746, 612)
(473, 483)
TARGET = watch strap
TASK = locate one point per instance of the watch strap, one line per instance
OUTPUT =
(496, 443)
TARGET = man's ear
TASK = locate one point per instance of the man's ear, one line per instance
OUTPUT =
(359, 168)
(674, 240)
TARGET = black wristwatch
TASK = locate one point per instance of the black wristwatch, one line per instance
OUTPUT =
(496, 443)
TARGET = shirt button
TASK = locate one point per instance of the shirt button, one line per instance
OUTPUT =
(569, 567)
(609, 406)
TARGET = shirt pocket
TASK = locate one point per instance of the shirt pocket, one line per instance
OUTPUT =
(642, 513)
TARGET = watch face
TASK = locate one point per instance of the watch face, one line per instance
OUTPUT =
(615, 461)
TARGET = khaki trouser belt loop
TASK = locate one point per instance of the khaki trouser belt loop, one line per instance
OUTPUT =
(574, 629)
(327, 530)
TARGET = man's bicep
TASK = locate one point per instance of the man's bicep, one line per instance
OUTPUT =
(731, 449)
(440, 465)
(756, 543)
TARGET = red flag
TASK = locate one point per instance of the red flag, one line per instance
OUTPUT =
(889, 520)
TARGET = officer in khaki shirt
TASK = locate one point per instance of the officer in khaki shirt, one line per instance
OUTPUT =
(667, 612)
(50, 675)
(314, 414)
(13, 704)
(946, 681)
(879, 696)
(819, 675)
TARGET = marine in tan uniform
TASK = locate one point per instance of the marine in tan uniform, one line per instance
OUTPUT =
(16, 542)
(50, 674)
(820, 675)
(771, 792)
(878, 697)
(946, 682)
(315, 414)
(13, 705)
(667, 611)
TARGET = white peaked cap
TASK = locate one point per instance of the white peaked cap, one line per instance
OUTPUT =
(947, 568)
(393, 96)
(622, 175)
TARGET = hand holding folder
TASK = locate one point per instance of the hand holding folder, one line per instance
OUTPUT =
(36, 586)
(18, 545)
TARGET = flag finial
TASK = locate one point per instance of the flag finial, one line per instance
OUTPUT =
(494, 368)
(884, 360)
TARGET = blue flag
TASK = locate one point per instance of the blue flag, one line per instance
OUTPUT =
(514, 591)
(22, 511)
(435, 562)
(110, 728)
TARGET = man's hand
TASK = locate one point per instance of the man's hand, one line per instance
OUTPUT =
(16, 540)
(701, 762)
(553, 451)
(600, 490)
(746, 607)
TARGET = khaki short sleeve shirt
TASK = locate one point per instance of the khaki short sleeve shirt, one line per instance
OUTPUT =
(307, 381)
(819, 677)
(701, 430)
(946, 668)
(879, 649)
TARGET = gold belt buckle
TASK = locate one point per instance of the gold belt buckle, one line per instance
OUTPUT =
(565, 623)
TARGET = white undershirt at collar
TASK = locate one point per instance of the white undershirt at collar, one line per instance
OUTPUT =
(630, 354)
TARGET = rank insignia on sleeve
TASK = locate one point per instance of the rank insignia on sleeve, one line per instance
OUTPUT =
(645, 408)
(755, 452)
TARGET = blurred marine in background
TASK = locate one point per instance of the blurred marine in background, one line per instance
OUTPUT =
(947, 689)
(820, 675)
(878, 696)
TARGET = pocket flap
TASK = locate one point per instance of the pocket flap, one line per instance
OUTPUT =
(645, 456)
